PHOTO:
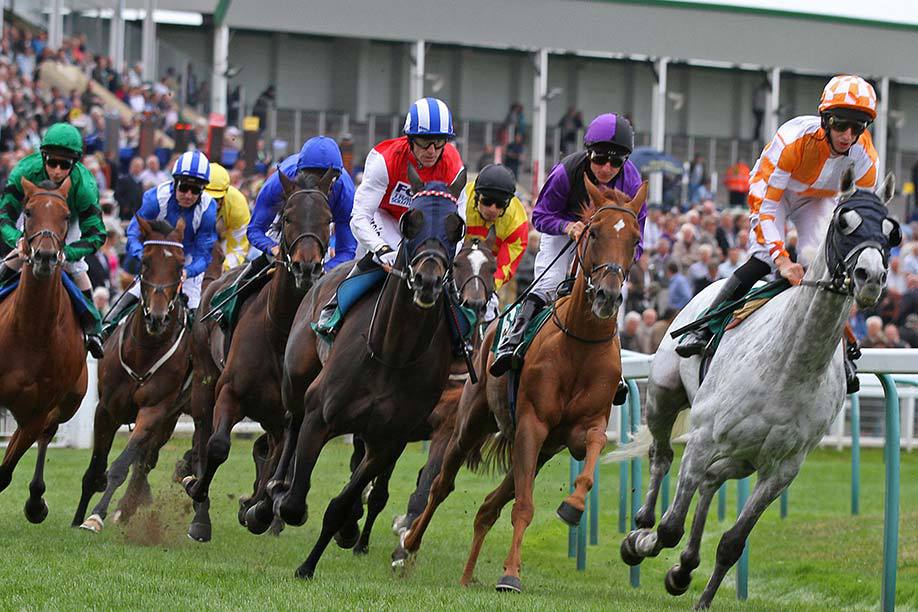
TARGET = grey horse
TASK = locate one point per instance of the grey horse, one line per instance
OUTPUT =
(771, 391)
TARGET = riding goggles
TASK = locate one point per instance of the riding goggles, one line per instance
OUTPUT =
(487, 200)
(192, 188)
(56, 162)
(425, 143)
(601, 159)
(843, 125)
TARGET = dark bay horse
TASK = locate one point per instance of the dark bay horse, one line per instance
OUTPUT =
(248, 385)
(44, 375)
(387, 367)
(567, 383)
(142, 379)
(473, 276)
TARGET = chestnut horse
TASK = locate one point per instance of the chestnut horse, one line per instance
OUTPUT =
(387, 367)
(249, 383)
(141, 378)
(44, 376)
(570, 376)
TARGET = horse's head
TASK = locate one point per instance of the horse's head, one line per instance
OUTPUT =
(859, 239)
(606, 246)
(430, 229)
(303, 226)
(47, 216)
(473, 272)
(161, 268)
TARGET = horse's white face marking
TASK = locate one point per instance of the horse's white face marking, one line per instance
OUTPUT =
(477, 259)
(619, 226)
(168, 253)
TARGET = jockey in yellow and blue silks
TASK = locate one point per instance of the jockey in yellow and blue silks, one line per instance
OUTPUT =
(182, 197)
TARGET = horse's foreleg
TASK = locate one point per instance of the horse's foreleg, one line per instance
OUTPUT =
(313, 435)
(18, 444)
(680, 576)
(571, 509)
(36, 510)
(766, 490)
(379, 497)
(426, 476)
(663, 406)
(260, 451)
(373, 464)
(527, 444)
(227, 413)
(94, 481)
(350, 530)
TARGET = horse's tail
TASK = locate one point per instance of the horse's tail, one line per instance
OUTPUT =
(640, 443)
(493, 456)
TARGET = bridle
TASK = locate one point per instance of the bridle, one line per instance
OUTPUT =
(428, 253)
(474, 277)
(56, 238)
(286, 248)
(607, 268)
(160, 288)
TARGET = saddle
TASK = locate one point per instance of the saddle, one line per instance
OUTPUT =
(349, 293)
(82, 307)
(227, 313)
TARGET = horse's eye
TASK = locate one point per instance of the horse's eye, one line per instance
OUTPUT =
(27, 212)
(592, 232)
(848, 222)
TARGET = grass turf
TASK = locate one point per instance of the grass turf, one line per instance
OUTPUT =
(819, 558)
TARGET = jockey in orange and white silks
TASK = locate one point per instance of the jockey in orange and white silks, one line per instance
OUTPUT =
(797, 178)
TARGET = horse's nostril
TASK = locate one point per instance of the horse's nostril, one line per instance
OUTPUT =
(883, 278)
(860, 275)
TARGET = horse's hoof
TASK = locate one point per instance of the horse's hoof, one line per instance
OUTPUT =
(304, 573)
(292, 516)
(569, 514)
(628, 552)
(676, 581)
(36, 511)
(347, 536)
(241, 514)
(94, 524)
(253, 521)
(199, 532)
(509, 584)
(402, 560)
(277, 526)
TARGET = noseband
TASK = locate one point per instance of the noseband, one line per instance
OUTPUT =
(157, 288)
(610, 268)
(287, 248)
(56, 238)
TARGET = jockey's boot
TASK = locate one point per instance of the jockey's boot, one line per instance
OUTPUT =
(694, 342)
(7, 274)
(506, 357)
(110, 320)
(852, 352)
(91, 330)
(621, 394)
(327, 324)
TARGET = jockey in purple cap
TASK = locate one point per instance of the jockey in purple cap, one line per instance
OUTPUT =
(609, 141)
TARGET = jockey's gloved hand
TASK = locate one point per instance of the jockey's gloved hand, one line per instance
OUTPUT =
(385, 256)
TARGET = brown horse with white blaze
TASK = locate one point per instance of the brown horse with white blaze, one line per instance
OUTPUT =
(44, 376)
(570, 375)
(142, 379)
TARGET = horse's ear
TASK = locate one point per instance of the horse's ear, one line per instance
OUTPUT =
(64, 189)
(458, 184)
(491, 239)
(28, 188)
(417, 185)
(455, 228)
(179, 231)
(888, 189)
(327, 179)
(411, 223)
(848, 186)
(145, 228)
(286, 184)
(639, 198)
(593, 191)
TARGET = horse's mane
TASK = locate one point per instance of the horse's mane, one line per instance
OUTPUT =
(161, 226)
(617, 197)
(303, 180)
(48, 184)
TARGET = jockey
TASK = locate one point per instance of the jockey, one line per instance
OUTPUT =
(491, 202)
(797, 178)
(232, 216)
(609, 141)
(182, 197)
(316, 157)
(60, 152)
(385, 193)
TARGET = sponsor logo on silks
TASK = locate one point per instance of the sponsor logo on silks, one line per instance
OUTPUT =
(401, 194)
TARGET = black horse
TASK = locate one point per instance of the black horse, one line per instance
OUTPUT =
(385, 371)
